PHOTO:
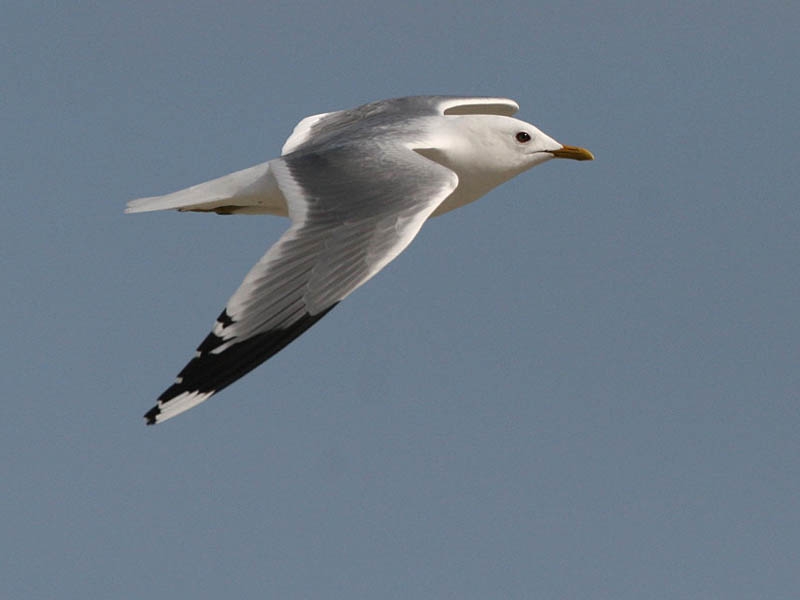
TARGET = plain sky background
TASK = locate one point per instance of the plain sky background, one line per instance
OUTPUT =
(585, 385)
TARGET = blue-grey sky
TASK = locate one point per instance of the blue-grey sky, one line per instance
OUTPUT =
(585, 385)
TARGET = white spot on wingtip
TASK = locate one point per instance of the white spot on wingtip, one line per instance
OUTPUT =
(180, 403)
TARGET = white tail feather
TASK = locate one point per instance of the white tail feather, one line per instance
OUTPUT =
(250, 191)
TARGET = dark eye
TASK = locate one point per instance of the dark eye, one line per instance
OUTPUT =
(523, 137)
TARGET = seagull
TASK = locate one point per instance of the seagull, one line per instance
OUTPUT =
(357, 185)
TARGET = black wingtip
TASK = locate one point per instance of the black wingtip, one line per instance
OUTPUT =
(150, 415)
(209, 372)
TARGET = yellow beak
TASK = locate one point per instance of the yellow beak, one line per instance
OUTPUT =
(573, 152)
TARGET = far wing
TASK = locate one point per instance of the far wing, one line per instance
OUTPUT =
(353, 211)
(457, 105)
(317, 130)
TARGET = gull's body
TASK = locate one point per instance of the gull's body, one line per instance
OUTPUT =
(357, 186)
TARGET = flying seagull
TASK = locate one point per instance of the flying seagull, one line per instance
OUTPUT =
(357, 186)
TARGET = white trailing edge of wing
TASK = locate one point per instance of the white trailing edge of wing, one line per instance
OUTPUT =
(250, 191)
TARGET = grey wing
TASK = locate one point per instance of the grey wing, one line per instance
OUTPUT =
(352, 213)
(319, 129)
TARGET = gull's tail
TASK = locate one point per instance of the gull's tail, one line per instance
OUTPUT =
(249, 191)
